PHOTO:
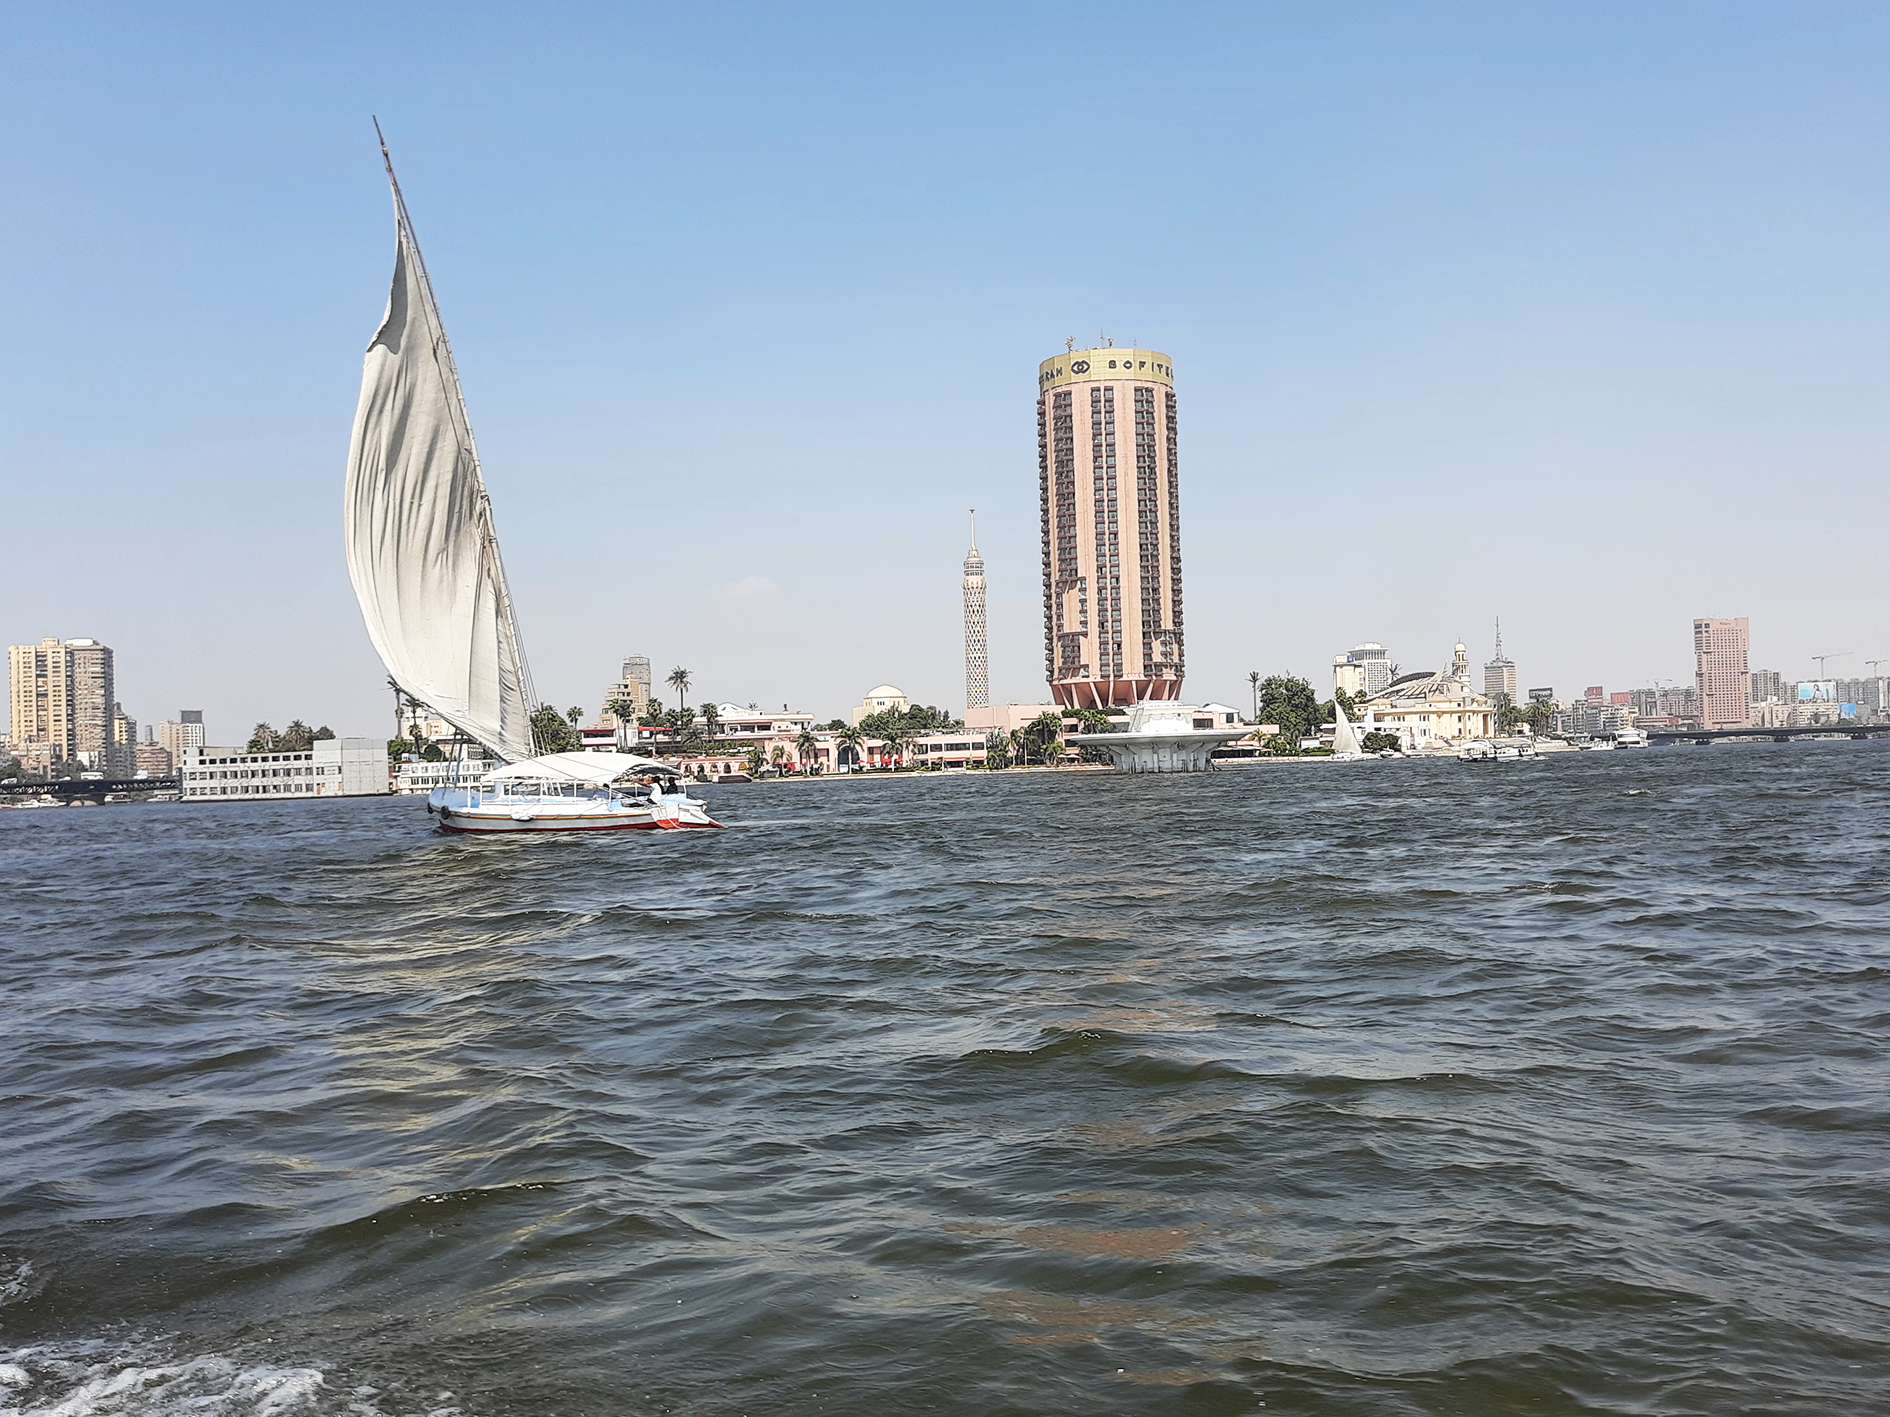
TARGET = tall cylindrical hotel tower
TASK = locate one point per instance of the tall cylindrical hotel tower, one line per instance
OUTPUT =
(1106, 468)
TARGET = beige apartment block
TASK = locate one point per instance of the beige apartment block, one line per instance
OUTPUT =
(1109, 481)
(62, 694)
(39, 696)
(179, 735)
(1721, 672)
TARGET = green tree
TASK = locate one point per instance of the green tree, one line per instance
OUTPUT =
(755, 760)
(806, 746)
(1092, 720)
(621, 708)
(711, 721)
(1290, 703)
(1377, 741)
(324, 734)
(1041, 739)
(834, 725)
(853, 738)
(1539, 714)
(778, 756)
(997, 751)
(262, 739)
(550, 732)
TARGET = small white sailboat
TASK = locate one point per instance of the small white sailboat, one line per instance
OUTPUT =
(424, 560)
(1344, 736)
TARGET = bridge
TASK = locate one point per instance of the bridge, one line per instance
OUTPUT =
(70, 788)
(1777, 735)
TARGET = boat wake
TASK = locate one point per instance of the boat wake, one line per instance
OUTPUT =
(151, 1378)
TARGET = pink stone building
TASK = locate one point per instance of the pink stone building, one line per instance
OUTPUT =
(1111, 492)
(1720, 672)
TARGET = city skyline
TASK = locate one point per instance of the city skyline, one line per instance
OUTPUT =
(1435, 281)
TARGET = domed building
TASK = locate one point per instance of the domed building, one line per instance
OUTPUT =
(1430, 710)
(878, 701)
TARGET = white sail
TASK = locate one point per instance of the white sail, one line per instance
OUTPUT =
(1344, 737)
(422, 552)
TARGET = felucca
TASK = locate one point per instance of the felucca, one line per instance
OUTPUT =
(424, 560)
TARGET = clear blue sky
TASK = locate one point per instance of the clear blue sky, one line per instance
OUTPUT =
(1573, 313)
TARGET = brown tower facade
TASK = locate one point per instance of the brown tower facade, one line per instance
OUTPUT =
(1108, 473)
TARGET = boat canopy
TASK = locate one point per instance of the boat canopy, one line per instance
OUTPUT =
(597, 769)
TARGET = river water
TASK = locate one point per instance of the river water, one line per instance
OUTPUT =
(1383, 1088)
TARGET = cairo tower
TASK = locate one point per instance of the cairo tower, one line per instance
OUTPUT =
(1111, 590)
(977, 667)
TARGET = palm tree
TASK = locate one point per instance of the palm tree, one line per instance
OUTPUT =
(1253, 678)
(711, 720)
(853, 740)
(806, 746)
(678, 680)
(1043, 731)
(755, 760)
(779, 755)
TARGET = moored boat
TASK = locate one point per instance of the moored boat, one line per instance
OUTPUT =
(571, 792)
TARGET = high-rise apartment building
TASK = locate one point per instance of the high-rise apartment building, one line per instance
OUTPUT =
(1768, 686)
(1499, 675)
(124, 742)
(634, 684)
(1108, 477)
(977, 665)
(94, 697)
(1720, 672)
(1362, 671)
(177, 737)
(63, 695)
(39, 696)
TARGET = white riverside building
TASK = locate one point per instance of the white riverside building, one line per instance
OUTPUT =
(417, 777)
(333, 767)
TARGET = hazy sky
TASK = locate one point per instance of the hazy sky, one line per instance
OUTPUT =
(1577, 314)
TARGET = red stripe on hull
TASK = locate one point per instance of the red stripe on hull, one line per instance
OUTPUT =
(577, 827)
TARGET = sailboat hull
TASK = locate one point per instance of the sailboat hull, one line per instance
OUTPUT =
(467, 812)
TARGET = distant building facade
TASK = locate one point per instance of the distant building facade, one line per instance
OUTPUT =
(1109, 482)
(1008, 718)
(1362, 671)
(634, 684)
(883, 699)
(1499, 675)
(1432, 710)
(63, 697)
(977, 664)
(1720, 673)
(332, 767)
(179, 735)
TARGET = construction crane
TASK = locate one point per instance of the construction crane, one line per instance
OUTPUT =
(1821, 658)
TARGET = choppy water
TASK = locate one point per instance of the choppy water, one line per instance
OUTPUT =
(1389, 1088)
